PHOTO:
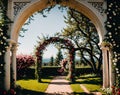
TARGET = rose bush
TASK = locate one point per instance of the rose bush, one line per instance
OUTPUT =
(23, 63)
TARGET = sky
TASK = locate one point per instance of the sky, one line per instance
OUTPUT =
(54, 22)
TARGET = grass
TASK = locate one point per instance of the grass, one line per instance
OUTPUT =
(76, 88)
(91, 82)
(33, 87)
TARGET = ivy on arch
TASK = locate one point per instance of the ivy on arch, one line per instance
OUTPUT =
(41, 47)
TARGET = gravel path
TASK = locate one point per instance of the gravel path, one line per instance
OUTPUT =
(59, 86)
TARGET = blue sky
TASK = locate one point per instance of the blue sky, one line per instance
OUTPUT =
(54, 22)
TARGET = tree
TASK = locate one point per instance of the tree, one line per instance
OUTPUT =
(81, 31)
(58, 58)
(52, 61)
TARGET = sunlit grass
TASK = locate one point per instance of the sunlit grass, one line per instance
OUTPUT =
(34, 85)
(76, 88)
(91, 82)
(93, 87)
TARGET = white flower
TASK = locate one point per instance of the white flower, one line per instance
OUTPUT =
(117, 46)
(3, 51)
(1, 33)
(110, 36)
(109, 26)
(115, 30)
(4, 37)
(115, 55)
(118, 75)
(114, 13)
(115, 64)
(1, 64)
(110, 17)
(116, 69)
(1, 42)
(112, 40)
(117, 72)
(109, 33)
(113, 23)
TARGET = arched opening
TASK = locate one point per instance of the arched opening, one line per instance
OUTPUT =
(66, 42)
(81, 6)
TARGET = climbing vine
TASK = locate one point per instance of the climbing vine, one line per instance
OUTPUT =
(42, 45)
(4, 21)
(113, 37)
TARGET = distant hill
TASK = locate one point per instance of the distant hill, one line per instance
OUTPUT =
(46, 60)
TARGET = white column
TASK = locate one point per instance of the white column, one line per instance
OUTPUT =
(105, 68)
(13, 65)
(7, 69)
(111, 75)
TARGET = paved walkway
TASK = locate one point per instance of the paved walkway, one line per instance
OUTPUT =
(59, 86)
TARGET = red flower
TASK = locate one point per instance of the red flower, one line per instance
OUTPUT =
(118, 93)
(113, 90)
(12, 91)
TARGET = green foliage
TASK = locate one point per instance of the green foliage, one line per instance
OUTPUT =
(58, 58)
(113, 35)
(52, 61)
(81, 31)
(4, 22)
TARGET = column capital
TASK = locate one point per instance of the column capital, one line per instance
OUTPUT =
(14, 47)
(11, 41)
(105, 45)
(10, 44)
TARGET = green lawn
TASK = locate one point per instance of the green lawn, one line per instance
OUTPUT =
(91, 82)
(33, 87)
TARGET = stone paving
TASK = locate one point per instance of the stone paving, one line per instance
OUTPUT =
(59, 86)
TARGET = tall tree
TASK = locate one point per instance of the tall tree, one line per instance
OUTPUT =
(81, 31)
(58, 58)
(52, 61)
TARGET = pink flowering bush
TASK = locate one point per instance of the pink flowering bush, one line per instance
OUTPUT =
(23, 62)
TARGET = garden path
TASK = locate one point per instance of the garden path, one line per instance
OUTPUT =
(59, 86)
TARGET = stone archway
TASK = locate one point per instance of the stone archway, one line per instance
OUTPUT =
(37, 5)
(51, 40)
(87, 7)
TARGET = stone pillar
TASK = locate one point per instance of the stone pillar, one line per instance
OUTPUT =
(111, 72)
(7, 69)
(105, 67)
(13, 65)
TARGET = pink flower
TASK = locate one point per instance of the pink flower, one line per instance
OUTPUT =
(4, 93)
